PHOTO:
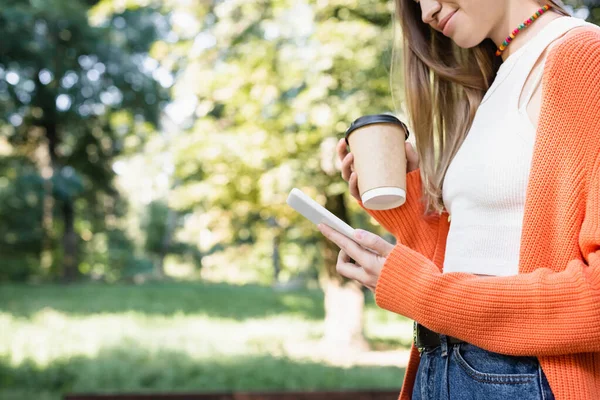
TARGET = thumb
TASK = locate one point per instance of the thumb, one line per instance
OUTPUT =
(372, 241)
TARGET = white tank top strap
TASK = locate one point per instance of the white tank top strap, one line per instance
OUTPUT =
(527, 55)
(537, 45)
(534, 84)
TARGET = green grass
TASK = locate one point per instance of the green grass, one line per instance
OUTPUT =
(175, 337)
(165, 299)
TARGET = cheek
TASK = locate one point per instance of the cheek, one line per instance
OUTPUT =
(468, 32)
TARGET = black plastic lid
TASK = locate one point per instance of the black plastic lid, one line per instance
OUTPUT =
(374, 119)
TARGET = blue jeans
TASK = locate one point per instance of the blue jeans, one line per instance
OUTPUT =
(464, 371)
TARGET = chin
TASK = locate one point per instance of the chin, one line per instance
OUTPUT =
(466, 42)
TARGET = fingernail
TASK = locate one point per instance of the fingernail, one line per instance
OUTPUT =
(359, 233)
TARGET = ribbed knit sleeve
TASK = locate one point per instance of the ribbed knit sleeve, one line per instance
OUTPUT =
(408, 223)
(552, 306)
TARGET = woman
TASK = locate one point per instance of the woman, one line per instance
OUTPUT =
(506, 297)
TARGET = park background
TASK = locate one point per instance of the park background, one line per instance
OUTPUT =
(147, 148)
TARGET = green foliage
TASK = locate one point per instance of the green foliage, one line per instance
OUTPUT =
(111, 255)
(54, 51)
(66, 184)
(159, 226)
(156, 226)
(73, 93)
(21, 190)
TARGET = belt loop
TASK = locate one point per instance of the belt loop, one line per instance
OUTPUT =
(444, 345)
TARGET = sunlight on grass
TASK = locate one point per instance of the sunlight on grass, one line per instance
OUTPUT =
(50, 334)
(169, 321)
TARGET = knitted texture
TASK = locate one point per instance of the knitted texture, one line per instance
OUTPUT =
(551, 309)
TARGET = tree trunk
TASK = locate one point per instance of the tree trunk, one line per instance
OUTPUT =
(70, 262)
(344, 306)
(344, 299)
(165, 244)
(276, 256)
(47, 160)
(69, 241)
(45, 166)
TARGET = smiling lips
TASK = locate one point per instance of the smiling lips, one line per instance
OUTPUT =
(445, 20)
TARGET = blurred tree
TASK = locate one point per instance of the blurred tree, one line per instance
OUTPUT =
(74, 95)
(266, 90)
(585, 9)
(21, 191)
(160, 225)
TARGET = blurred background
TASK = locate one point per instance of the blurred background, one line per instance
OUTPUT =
(147, 148)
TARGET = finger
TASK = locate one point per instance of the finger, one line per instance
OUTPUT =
(353, 184)
(359, 254)
(412, 157)
(346, 258)
(347, 166)
(374, 242)
(341, 148)
(343, 257)
(349, 270)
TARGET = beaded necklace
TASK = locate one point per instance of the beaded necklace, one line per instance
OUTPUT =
(521, 27)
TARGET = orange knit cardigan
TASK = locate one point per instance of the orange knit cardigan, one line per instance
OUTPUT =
(551, 309)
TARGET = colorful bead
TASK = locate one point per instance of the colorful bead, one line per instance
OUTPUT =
(522, 26)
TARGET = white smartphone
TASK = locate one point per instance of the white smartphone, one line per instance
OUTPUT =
(316, 213)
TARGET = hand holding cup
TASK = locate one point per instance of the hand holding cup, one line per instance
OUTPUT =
(382, 146)
(347, 159)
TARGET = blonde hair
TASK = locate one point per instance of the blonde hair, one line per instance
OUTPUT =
(445, 87)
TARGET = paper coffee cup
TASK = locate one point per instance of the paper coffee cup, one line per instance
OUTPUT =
(377, 142)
